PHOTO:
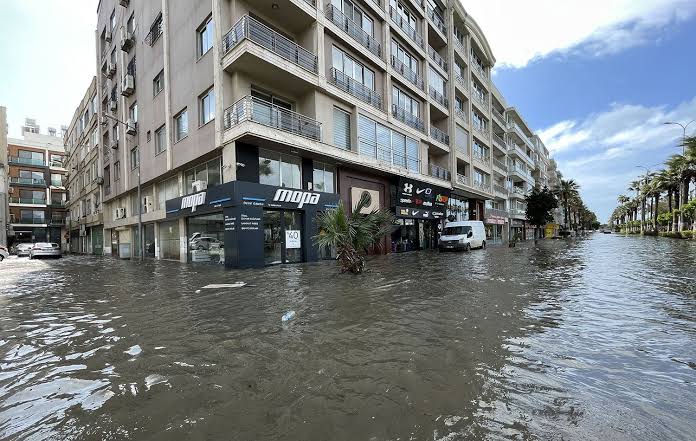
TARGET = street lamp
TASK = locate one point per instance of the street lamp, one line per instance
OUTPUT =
(683, 131)
(141, 244)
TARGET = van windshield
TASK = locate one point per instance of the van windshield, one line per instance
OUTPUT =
(456, 231)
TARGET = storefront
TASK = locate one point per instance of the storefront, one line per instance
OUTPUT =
(245, 224)
(495, 228)
(517, 229)
(420, 210)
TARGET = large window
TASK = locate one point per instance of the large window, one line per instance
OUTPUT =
(404, 13)
(324, 178)
(341, 128)
(478, 120)
(387, 145)
(404, 56)
(206, 238)
(481, 178)
(166, 190)
(352, 12)
(160, 140)
(209, 172)
(35, 216)
(205, 37)
(279, 170)
(181, 126)
(207, 106)
(405, 101)
(34, 176)
(36, 196)
(436, 82)
(352, 68)
(169, 240)
(35, 156)
(480, 151)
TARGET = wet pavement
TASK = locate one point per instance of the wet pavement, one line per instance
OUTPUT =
(589, 339)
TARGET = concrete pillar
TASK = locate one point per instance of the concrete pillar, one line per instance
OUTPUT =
(183, 241)
(157, 241)
(229, 162)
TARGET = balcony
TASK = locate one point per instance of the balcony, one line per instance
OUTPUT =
(407, 73)
(353, 29)
(462, 180)
(358, 90)
(437, 58)
(501, 165)
(404, 26)
(55, 221)
(461, 113)
(496, 212)
(26, 161)
(518, 212)
(250, 29)
(437, 20)
(479, 69)
(460, 45)
(519, 171)
(20, 200)
(518, 191)
(27, 181)
(270, 115)
(439, 135)
(58, 204)
(438, 97)
(496, 113)
(461, 82)
(439, 172)
(408, 118)
(500, 189)
(480, 157)
(480, 129)
(31, 221)
(485, 186)
(499, 141)
(57, 183)
(481, 99)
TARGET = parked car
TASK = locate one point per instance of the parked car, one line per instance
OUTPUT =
(3, 253)
(463, 235)
(22, 249)
(45, 249)
(200, 242)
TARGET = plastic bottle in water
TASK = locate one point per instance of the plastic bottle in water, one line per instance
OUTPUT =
(288, 316)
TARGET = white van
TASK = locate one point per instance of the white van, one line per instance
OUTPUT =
(463, 235)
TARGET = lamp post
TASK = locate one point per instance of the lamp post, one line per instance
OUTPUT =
(683, 126)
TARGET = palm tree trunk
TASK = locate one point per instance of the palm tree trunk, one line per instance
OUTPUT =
(657, 204)
(684, 199)
(677, 199)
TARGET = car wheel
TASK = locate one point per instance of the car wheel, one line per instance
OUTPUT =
(483, 245)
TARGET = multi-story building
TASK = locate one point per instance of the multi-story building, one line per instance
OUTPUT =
(37, 193)
(225, 125)
(82, 140)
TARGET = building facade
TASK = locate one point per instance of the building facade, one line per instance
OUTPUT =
(36, 192)
(331, 97)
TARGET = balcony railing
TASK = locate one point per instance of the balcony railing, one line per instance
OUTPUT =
(311, 3)
(437, 20)
(438, 97)
(497, 212)
(439, 135)
(27, 181)
(405, 26)
(460, 45)
(56, 183)
(60, 203)
(463, 180)
(497, 113)
(500, 189)
(518, 212)
(462, 82)
(353, 29)
(378, 3)
(248, 28)
(500, 164)
(358, 90)
(481, 157)
(481, 130)
(26, 161)
(57, 220)
(500, 141)
(461, 113)
(481, 99)
(31, 220)
(439, 172)
(270, 115)
(478, 68)
(155, 31)
(407, 73)
(517, 169)
(485, 186)
(388, 156)
(437, 58)
(407, 118)
(518, 190)
(20, 200)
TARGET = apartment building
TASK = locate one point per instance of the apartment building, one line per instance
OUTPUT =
(84, 180)
(36, 192)
(226, 125)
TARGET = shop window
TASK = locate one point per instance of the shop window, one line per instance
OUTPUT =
(206, 238)
(324, 177)
(279, 170)
(169, 240)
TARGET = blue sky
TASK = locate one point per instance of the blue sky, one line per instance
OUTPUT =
(596, 78)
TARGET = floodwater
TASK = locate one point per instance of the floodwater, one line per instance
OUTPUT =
(587, 339)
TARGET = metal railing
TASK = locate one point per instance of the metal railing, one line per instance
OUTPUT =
(407, 118)
(31, 220)
(481, 157)
(270, 115)
(358, 90)
(388, 156)
(407, 72)
(353, 29)
(478, 68)
(439, 135)
(26, 161)
(518, 190)
(500, 189)
(438, 97)
(462, 82)
(437, 58)
(406, 27)
(27, 181)
(497, 113)
(248, 28)
(20, 200)
(439, 172)
(518, 212)
(461, 113)
(500, 141)
(437, 20)
(56, 183)
(500, 164)
(57, 203)
(497, 212)
(463, 180)
(483, 100)
(460, 45)
(483, 186)
(155, 31)
(514, 168)
(483, 131)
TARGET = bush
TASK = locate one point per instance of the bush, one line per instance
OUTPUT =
(677, 235)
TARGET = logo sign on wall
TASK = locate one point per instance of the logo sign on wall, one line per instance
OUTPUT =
(357, 192)
(193, 201)
(301, 198)
(293, 239)
(421, 196)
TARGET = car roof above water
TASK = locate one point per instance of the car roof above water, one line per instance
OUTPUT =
(463, 224)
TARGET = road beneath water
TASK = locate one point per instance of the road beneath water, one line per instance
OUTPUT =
(589, 339)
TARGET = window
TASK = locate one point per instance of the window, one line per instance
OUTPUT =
(205, 37)
(135, 157)
(324, 177)
(155, 31)
(459, 35)
(112, 20)
(117, 170)
(56, 160)
(114, 131)
(112, 57)
(180, 126)
(341, 128)
(352, 12)
(34, 156)
(478, 120)
(352, 68)
(166, 190)
(34, 176)
(133, 112)
(160, 140)
(404, 101)
(279, 170)
(404, 13)
(387, 145)
(480, 151)
(210, 172)
(158, 83)
(56, 179)
(207, 105)
(436, 82)
(481, 178)
(404, 56)
(130, 23)
(37, 216)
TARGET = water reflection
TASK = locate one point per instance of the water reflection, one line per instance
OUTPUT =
(586, 339)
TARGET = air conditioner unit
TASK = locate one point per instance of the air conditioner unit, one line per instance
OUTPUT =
(128, 85)
(107, 36)
(112, 105)
(147, 204)
(126, 40)
(100, 180)
(197, 186)
(120, 213)
(114, 144)
(123, 3)
(131, 127)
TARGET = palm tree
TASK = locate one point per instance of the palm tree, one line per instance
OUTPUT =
(678, 166)
(566, 189)
(353, 236)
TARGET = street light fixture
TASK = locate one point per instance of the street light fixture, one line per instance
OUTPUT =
(683, 126)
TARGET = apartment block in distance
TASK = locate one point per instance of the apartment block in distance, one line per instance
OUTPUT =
(36, 192)
(85, 182)
(239, 121)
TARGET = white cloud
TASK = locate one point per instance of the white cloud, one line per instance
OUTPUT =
(520, 32)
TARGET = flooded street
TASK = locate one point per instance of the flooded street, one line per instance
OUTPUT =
(591, 339)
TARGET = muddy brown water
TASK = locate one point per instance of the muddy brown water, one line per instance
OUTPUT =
(589, 339)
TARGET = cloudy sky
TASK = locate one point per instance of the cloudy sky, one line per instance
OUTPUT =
(595, 78)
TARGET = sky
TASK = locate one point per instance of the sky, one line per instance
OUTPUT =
(596, 79)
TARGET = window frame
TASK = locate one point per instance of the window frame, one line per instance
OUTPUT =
(176, 121)
(160, 133)
(200, 32)
(158, 80)
(201, 106)
(135, 152)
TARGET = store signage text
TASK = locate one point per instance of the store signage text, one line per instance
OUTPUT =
(193, 201)
(301, 198)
